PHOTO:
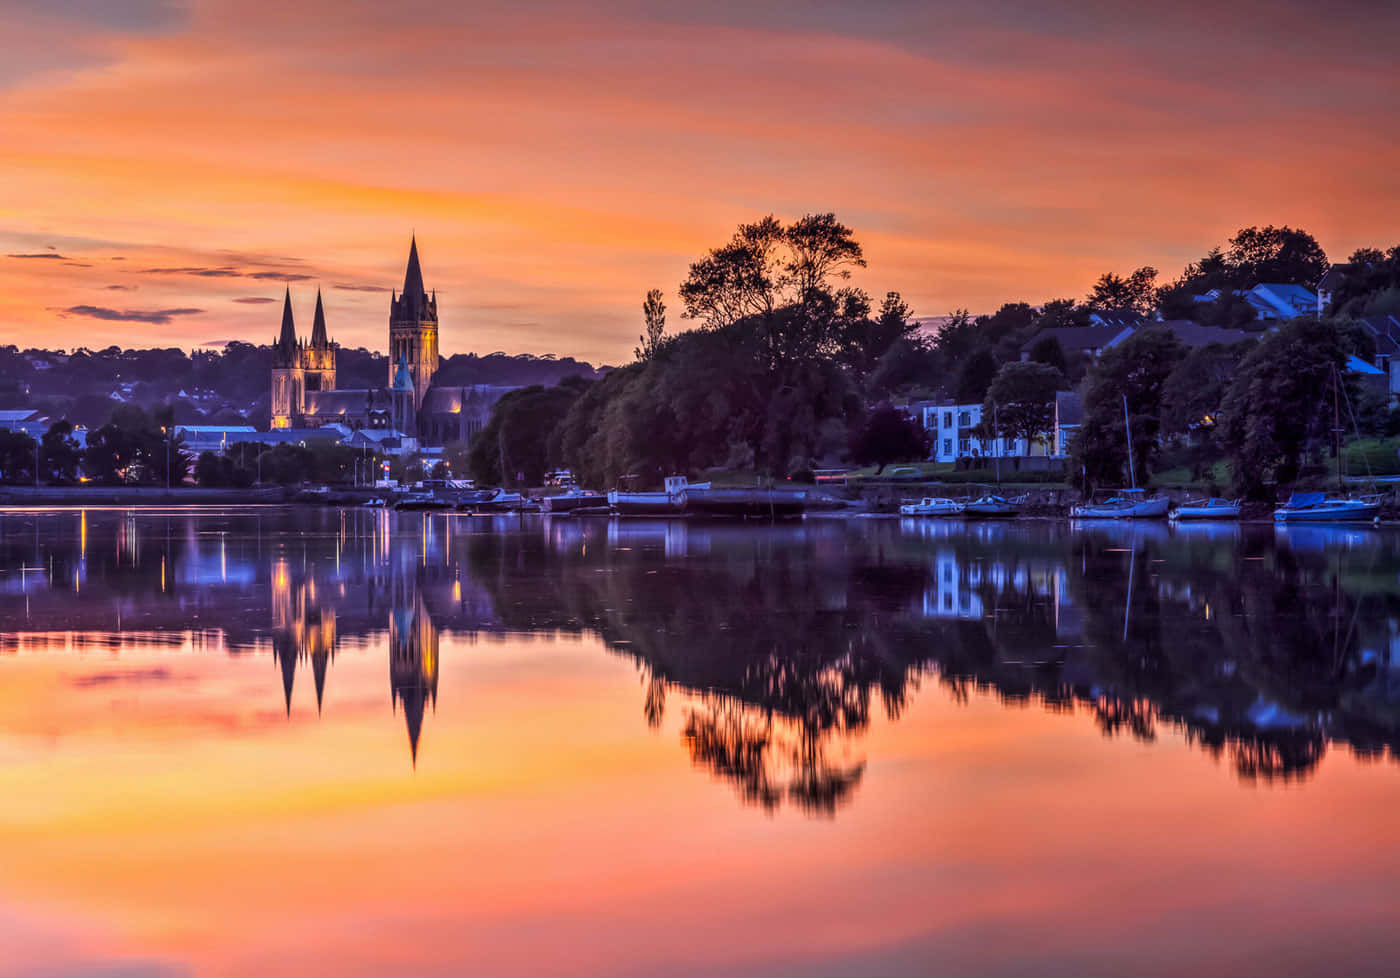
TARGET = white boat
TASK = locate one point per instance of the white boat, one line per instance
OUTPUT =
(667, 502)
(931, 506)
(1316, 507)
(1208, 509)
(1127, 504)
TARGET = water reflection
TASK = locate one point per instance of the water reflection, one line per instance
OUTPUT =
(776, 646)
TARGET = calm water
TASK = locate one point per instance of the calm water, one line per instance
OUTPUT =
(298, 742)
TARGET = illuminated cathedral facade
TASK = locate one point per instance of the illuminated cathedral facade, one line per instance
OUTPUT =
(305, 395)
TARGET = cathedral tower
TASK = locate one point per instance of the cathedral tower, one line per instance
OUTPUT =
(299, 368)
(288, 380)
(413, 330)
(318, 359)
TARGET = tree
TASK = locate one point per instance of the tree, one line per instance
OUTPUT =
(766, 266)
(909, 363)
(1281, 401)
(975, 377)
(1137, 292)
(889, 435)
(1047, 350)
(517, 446)
(1020, 402)
(61, 453)
(872, 339)
(958, 336)
(654, 315)
(1275, 254)
(1136, 369)
(17, 457)
(212, 470)
(1061, 313)
(1195, 389)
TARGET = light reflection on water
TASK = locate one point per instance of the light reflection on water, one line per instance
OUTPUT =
(871, 676)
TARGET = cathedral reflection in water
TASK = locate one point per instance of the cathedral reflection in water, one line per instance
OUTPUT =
(771, 649)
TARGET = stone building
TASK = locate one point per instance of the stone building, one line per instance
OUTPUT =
(305, 395)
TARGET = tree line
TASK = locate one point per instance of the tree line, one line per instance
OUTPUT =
(775, 373)
(787, 364)
(140, 448)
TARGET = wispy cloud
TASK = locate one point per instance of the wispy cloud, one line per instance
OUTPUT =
(157, 317)
(200, 271)
(122, 288)
(194, 270)
(345, 287)
(254, 300)
(43, 254)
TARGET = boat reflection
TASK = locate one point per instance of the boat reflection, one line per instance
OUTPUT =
(774, 649)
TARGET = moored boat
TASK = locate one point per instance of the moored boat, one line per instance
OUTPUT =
(421, 501)
(669, 501)
(758, 502)
(573, 501)
(1126, 504)
(1207, 509)
(992, 505)
(1317, 507)
(932, 506)
(490, 501)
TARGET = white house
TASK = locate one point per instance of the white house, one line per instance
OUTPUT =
(950, 427)
(1282, 301)
(951, 431)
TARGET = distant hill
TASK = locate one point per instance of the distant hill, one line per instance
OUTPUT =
(222, 385)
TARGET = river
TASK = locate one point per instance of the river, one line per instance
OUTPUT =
(291, 741)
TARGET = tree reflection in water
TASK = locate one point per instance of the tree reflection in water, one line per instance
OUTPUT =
(776, 645)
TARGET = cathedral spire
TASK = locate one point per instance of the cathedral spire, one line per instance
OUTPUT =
(318, 327)
(413, 278)
(288, 340)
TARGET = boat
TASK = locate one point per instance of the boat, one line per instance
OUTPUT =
(490, 501)
(931, 506)
(705, 500)
(992, 505)
(1317, 507)
(421, 501)
(669, 501)
(1127, 504)
(1207, 509)
(574, 501)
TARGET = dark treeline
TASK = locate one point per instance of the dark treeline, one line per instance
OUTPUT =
(776, 373)
(788, 367)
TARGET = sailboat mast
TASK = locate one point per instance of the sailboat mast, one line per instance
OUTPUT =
(996, 436)
(1337, 430)
(1128, 427)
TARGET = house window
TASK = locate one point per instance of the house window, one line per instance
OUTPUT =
(964, 418)
(947, 419)
(963, 445)
(947, 446)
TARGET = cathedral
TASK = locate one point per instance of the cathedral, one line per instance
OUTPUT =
(305, 395)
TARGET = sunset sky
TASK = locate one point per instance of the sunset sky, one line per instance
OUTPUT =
(165, 167)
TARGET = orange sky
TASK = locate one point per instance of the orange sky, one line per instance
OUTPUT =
(558, 160)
